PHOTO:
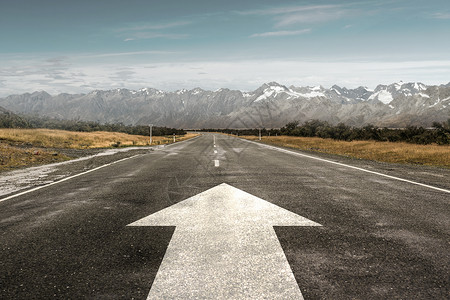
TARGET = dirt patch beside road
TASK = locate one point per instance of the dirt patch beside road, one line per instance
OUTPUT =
(25, 178)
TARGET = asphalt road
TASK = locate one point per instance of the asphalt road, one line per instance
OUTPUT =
(381, 238)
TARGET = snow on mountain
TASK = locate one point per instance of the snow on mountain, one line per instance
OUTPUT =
(398, 85)
(440, 101)
(383, 96)
(181, 92)
(196, 91)
(312, 94)
(423, 95)
(386, 93)
(148, 92)
(308, 92)
(350, 95)
(419, 86)
(336, 89)
(145, 90)
(399, 104)
(272, 90)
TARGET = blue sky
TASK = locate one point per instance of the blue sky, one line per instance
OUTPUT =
(78, 46)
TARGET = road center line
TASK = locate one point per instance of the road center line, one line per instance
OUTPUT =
(216, 163)
(67, 178)
(349, 166)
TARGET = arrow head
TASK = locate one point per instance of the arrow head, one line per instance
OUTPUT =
(224, 205)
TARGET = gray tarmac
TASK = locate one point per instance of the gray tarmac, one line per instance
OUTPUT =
(380, 238)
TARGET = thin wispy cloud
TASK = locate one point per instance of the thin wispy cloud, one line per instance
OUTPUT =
(57, 60)
(127, 54)
(83, 77)
(287, 10)
(292, 15)
(152, 31)
(155, 26)
(155, 35)
(312, 16)
(442, 16)
(281, 33)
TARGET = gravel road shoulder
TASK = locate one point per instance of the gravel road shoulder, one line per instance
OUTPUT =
(18, 180)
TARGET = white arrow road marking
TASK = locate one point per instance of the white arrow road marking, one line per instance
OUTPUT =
(224, 247)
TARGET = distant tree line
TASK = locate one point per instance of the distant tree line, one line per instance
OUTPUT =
(10, 120)
(438, 134)
(16, 121)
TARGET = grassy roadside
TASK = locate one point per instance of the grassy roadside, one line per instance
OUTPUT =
(50, 138)
(27, 147)
(432, 155)
(13, 157)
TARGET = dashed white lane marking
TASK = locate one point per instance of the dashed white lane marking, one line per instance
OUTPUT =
(65, 179)
(216, 163)
(215, 151)
(351, 167)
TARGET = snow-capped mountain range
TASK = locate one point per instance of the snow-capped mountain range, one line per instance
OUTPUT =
(271, 105)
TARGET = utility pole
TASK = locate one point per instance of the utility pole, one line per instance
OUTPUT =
(150, 125)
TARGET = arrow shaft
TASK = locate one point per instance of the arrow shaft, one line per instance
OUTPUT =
(236, 262)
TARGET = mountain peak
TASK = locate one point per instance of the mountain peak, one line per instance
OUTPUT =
(273, 83)
(41, 93)
(389, 105)
(274, 86)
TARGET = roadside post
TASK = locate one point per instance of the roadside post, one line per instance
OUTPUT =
(150, 125)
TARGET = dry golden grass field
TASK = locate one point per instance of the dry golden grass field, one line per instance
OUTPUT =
(50, 138)
(25, 147)
(432, 155)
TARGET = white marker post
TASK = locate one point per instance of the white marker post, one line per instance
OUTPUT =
(224, 247)
(151, 125)
(174, 137)
(259, 133)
